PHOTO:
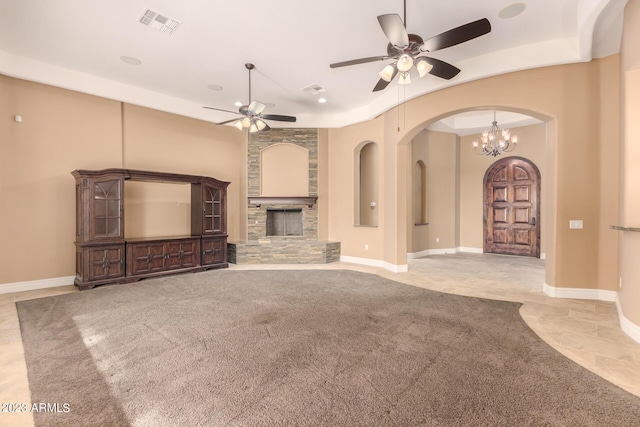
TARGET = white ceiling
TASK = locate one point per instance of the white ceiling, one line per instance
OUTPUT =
(77, 44)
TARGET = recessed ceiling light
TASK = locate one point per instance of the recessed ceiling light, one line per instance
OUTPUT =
(130, 60)
(238, 104)
(512, 10)
(322, 100)
(214, 87)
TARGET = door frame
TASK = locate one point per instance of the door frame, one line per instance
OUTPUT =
(538, 199)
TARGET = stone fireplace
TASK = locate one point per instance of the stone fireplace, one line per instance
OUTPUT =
(282, 222)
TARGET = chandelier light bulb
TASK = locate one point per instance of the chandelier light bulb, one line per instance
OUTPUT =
(495, 141)
(246, 122)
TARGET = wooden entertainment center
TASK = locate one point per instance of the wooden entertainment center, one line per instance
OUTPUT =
(103, 255)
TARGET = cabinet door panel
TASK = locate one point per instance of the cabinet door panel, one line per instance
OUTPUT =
(181, 254)
(190, 254)
(146, 258)
(106, 262)
(214, 251)
(173, 259)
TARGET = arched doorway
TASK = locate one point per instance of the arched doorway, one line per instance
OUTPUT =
(512, 208)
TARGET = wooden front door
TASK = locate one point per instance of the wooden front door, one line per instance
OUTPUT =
(512, 208)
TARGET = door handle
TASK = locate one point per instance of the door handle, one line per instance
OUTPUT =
(533, 221)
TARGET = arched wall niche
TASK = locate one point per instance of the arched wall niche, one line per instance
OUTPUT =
(284, 170)
(366, 176)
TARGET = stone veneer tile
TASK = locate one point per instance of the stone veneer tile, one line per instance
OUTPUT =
(256, 217)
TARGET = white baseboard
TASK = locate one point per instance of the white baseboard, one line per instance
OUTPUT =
(470, 250)
(428, 252)
(396, 268)
(578, 293)
(32, 285)
(627, 326)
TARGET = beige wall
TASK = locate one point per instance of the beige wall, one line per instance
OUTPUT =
(439, 152)
(342, 147)
(64, 130)
(60, 131)
(158, 141)
(629, 271)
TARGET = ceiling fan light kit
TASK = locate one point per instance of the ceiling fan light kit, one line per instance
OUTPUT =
(253, 118)
(423, 67)
(405, 50)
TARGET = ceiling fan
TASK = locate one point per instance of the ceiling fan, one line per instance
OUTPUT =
(253, 118)
(405, 49)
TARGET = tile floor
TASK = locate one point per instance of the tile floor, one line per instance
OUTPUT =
(585, 331)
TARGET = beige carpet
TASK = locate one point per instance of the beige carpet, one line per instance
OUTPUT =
(301, 347)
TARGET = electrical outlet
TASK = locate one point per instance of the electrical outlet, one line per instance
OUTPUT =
(366, 247)
(620, 282)
(437, 240)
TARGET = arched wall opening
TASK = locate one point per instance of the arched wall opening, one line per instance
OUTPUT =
(577, 103)
(454, 195)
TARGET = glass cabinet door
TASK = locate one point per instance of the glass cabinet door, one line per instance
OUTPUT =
(107, 209)
(212, 210)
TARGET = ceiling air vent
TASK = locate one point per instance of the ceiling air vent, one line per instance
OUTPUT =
(313, 89)
(159, 22)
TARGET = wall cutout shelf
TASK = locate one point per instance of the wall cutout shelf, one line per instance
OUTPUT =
(623, 228)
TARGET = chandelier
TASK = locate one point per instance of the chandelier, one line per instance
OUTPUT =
(495, 141)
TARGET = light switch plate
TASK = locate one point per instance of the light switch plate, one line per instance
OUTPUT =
(576, 224)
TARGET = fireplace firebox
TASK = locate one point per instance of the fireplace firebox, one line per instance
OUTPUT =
(284, 222)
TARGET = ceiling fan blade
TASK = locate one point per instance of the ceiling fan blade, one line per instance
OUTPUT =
(358, 61)
(457, 35)
(441, 69)
(219, 109)
(228, 121)
(256, 107)
(382, 83)
(278, 117)
(394, 29)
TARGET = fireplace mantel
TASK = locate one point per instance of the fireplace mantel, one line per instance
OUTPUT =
(283, 200)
